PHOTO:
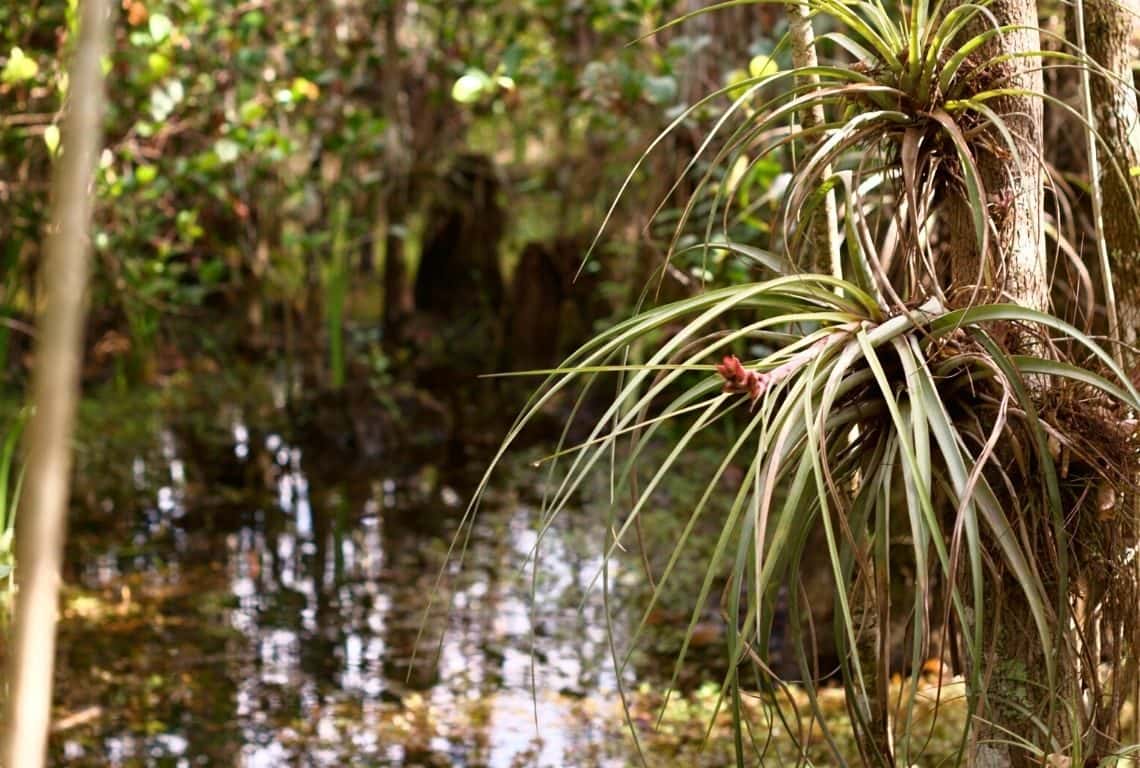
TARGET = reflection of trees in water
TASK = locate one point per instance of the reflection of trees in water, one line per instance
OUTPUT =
(301, 589)
(151, 651)
(409, 568)
(332, 584)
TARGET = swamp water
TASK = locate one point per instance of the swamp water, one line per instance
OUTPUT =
(239, 595)
(246, 586)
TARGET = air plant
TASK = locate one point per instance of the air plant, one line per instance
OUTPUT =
(994, 440)
(867, 421)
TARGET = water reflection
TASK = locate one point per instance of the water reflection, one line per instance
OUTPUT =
(274, 615)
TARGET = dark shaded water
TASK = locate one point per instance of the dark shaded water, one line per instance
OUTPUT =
(242, 592)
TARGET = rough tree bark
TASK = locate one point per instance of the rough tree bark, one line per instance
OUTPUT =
(1108, 36)
(1108, 33)
(1016, 258)
(55, 391)
(1013, 266)
(822, 241)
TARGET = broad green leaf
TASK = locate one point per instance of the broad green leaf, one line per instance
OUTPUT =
(51, 138)
(159, 65)
(145, 174)
(227, 150)
(737, 83)
(251, 111)
(471, 86)
(19, 68)
(159, 26)
(661, 90)
(763, 66)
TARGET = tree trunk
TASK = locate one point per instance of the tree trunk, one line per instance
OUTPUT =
(397, 290)
(1017, 691)
(872, 602)
(1012, 269)
(1016, 258)
(55, 390)
(1108, 37)
(397, 286)
(1108, 28)
(822, 240)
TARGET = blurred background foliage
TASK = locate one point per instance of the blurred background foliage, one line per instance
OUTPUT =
(287, 178)
(366, 204)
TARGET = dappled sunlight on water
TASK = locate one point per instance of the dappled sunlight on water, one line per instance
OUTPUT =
(244, 600)
(241, 590)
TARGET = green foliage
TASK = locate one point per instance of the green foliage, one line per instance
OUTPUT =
(916, 441)
(11, 480)
(856, 420)
(233, 129)
(910, 115)
(19, 68)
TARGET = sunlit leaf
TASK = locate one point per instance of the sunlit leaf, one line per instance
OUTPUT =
(763, 66)
(304, 89)
(251, 111)
(158, 64)
(19, 68)
(51, 137)
(159, 26)
(735, 80)
(471, 86)
(164, 99)
(227, 150)
(145, 174)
